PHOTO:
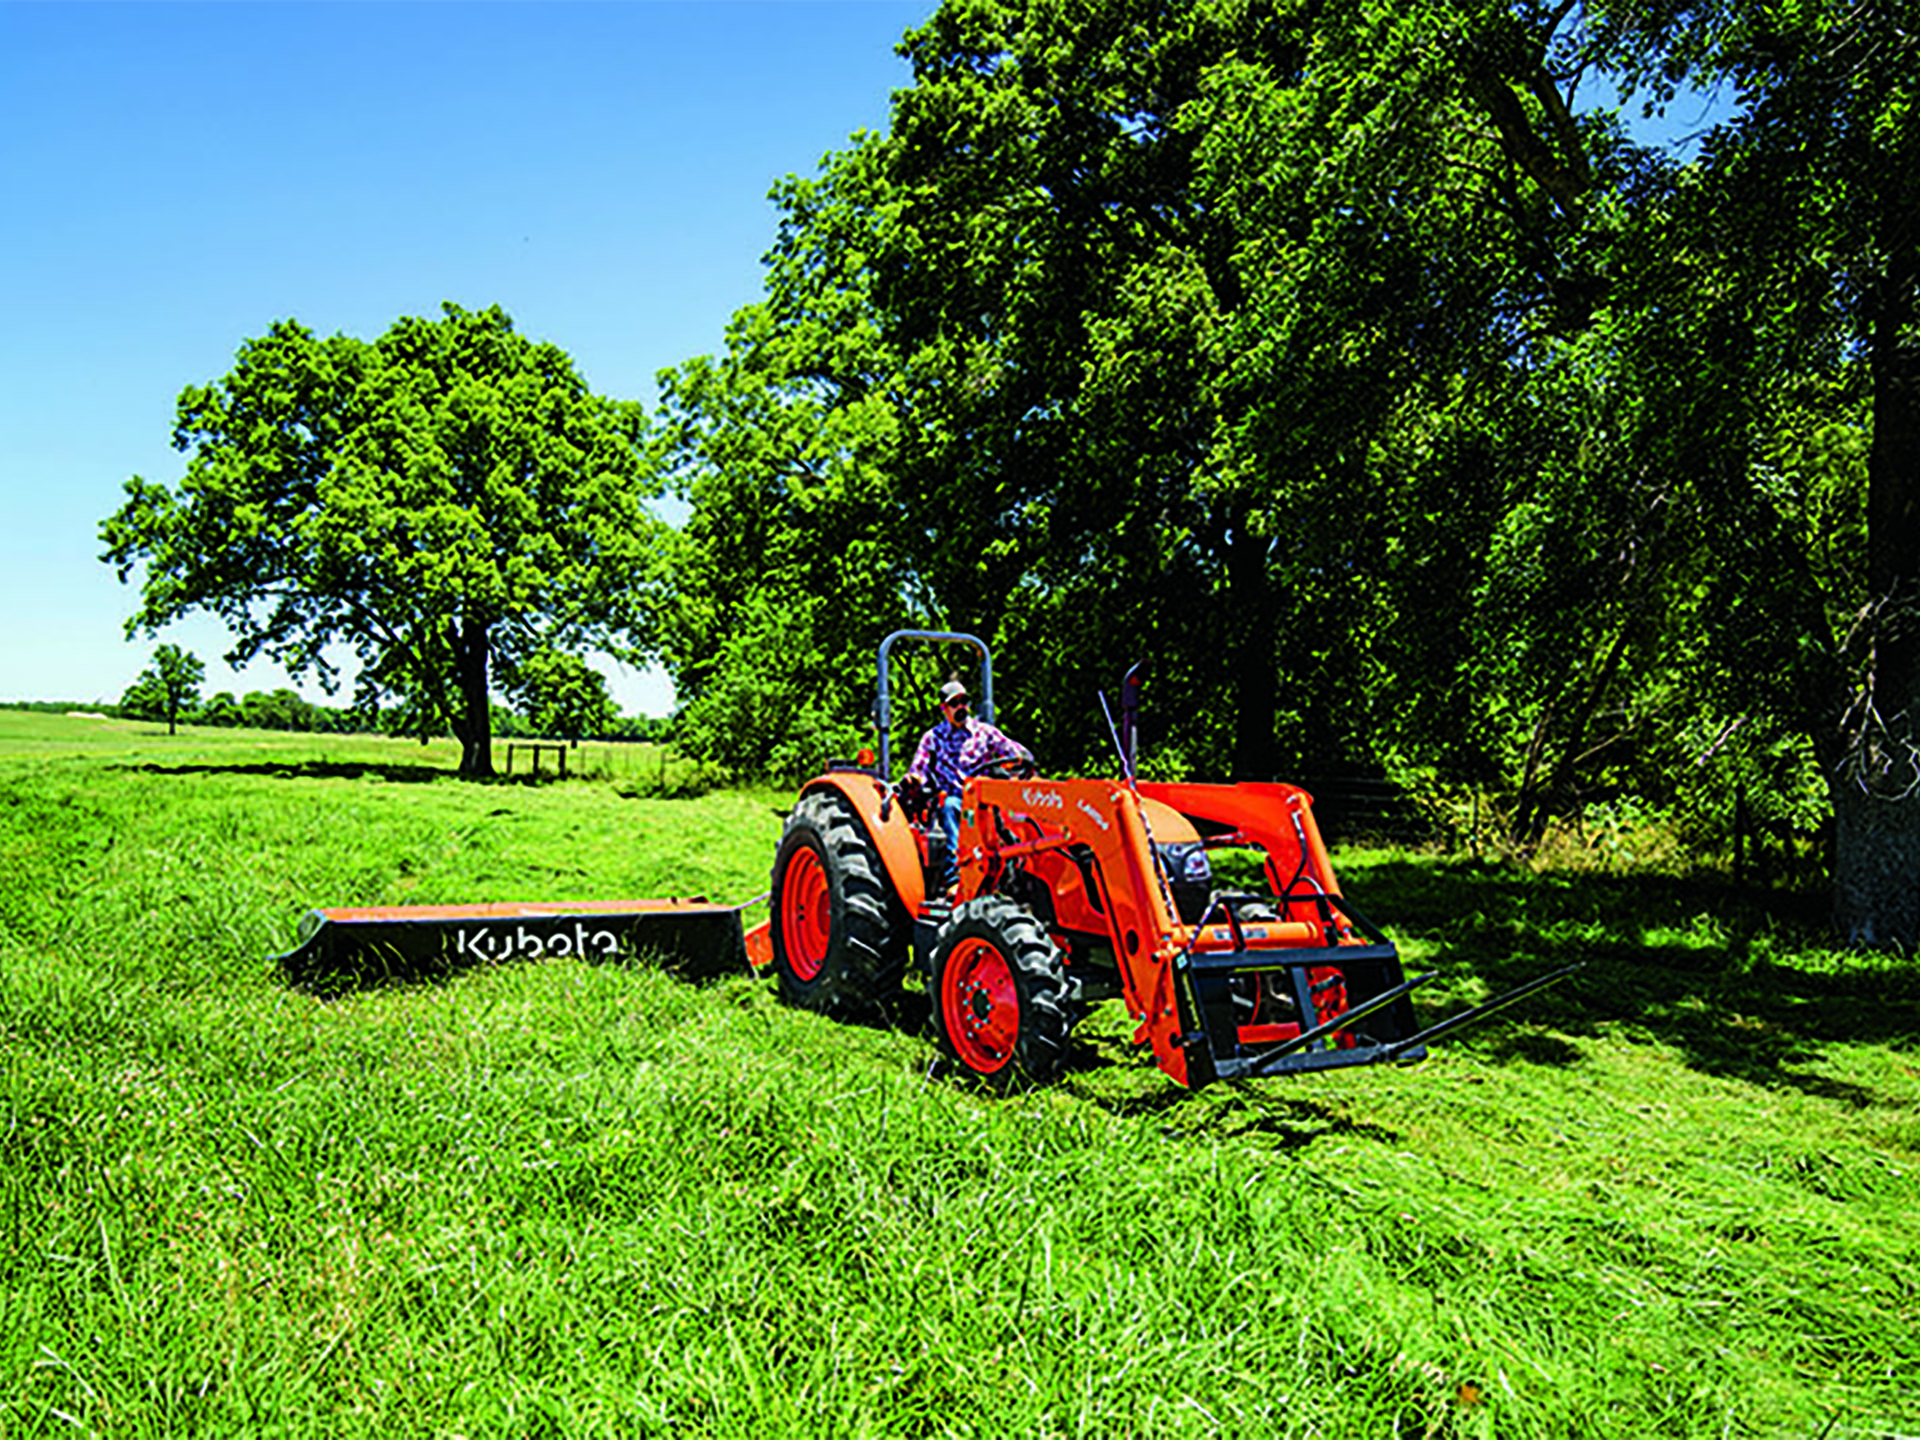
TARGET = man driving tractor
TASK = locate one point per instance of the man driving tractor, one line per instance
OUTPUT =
(959, 745)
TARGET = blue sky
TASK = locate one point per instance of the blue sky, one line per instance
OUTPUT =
(174, 178)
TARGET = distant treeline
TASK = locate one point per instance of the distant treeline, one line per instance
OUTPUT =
(286, 709)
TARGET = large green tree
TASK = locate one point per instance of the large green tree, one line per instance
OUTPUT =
(446, 495)
(1814, 185)
(1101, 340)
(1158, 279)
(1063, 289)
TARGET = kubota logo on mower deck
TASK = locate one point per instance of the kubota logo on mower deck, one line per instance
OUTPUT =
(1042, 799)
(494, 944)
(1094, 815)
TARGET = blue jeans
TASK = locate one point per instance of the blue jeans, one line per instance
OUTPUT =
(949, 813)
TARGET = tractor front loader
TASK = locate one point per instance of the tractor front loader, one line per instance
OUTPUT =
(1075, 891)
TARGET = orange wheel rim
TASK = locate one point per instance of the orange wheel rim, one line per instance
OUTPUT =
(806, 914)
(980, 1005)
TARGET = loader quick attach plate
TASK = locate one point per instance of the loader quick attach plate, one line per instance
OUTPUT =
(347, 949)
(1373, 1021)
(1347, 1002)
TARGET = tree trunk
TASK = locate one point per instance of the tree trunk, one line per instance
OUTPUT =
(1876, 780)
(1539, 805)
(473, 722)
(1876, 867)
(1249, 652)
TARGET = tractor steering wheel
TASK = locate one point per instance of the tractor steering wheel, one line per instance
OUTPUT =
(1009, 767)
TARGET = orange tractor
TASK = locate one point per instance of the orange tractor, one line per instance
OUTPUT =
(1075, 891)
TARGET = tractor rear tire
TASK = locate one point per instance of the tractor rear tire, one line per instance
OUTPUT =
(1000, 1002)
(839, 936)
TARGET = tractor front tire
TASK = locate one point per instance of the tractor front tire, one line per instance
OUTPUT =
(839, 943)
(1000, 994)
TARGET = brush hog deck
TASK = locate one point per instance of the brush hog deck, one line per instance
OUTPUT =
(344, 949)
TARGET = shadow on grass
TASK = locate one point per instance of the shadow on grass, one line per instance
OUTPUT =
(308, 770)
(910, 1012)
(1742, 983)
(677, 788)
(1278, 1111)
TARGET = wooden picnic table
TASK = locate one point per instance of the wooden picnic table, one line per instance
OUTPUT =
(534, 749)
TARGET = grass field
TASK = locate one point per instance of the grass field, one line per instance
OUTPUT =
(1676, 1198)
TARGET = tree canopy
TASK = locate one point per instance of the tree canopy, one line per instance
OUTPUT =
(1358, 367)
(437, 500)
(1354, 366)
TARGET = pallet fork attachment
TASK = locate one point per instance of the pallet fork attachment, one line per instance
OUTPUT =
(1374, 1024)
(1480, 1012)
(1268, 1061)
(1407, 1051)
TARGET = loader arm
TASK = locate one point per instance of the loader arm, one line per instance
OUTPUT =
(1106, 818)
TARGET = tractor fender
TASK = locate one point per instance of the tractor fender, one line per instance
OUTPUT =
(887, 826)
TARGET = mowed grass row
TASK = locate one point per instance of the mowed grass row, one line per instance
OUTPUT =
(1675, 1197)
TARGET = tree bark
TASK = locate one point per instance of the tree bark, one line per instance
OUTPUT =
(473, 723)
(1522, 829)
(1876, 867)
(1876, 775)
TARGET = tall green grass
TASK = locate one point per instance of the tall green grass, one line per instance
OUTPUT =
(1675, 1197)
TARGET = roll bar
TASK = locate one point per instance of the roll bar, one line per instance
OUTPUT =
(883, 705)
